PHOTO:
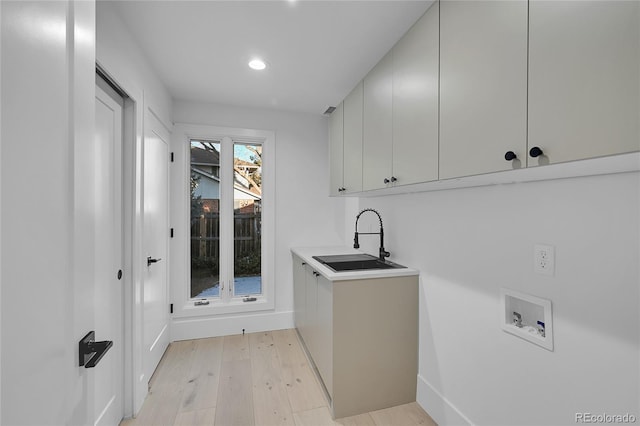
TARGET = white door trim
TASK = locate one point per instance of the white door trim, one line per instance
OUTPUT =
(135, 381)
(109, 152)
(155, 241)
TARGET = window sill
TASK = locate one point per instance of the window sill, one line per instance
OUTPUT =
(215, 307)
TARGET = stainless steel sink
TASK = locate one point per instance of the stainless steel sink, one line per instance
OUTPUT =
(355, 262)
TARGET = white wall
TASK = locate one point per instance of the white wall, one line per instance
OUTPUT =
(305, 215)
(468, 243)
(48, 60)
(0, 219)
(124, 61)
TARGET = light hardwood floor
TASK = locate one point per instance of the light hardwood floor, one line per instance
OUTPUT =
(259, 379)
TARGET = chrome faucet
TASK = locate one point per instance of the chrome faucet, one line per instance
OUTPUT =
(382, 252)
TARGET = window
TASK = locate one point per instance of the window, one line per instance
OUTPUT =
(229, 221)
(247, 219)
(204, 186)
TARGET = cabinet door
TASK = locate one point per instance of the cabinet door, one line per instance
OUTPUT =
(415, 102)
(483, 86)
(336, 155)
(353, 140)
(311, 310)
(324, 355)
(376, 147)
(583, 79)
(299, 292)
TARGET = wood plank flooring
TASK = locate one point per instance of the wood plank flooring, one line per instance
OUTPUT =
(259, 379)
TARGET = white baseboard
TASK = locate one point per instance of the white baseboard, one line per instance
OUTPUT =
(199, 328)
(443, 412)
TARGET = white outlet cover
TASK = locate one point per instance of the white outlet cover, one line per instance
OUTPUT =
(544, 259)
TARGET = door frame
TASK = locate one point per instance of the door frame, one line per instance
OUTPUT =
(103, 84)
(153, 124)
(135, 383)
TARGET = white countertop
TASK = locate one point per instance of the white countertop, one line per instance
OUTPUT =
(307, 253)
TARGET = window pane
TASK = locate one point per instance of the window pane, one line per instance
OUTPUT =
(205, 219)
(247, 215)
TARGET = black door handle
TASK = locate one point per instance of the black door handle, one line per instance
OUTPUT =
(91, 352)
(150, 260)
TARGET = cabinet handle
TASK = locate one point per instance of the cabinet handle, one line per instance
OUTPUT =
(510, 155)
(342, 189)
(535, 152)
(393, 179)
(386, 181)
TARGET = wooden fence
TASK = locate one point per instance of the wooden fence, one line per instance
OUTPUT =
(205, 236)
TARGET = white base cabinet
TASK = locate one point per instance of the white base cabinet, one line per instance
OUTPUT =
(362, 336)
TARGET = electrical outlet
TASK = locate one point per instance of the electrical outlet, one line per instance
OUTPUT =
(544, 259)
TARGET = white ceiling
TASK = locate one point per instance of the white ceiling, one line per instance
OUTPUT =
(317, 51)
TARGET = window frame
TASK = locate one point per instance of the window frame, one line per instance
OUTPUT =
(184, 305)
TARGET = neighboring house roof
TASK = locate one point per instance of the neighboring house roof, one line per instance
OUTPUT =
(245, 164)
(252, 195)
(242, 180)
(205, 174)
(204, 157)
(236, 185)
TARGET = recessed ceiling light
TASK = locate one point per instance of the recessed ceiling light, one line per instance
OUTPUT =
(257, 64)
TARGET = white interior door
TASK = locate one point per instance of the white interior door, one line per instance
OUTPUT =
(155, 242)
(108, 254)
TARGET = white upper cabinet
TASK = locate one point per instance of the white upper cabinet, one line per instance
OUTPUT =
(483, 86)
(584, 79)
(415, 102)
(377, 133)
(352, 174)
(478, 86)
(336, 154)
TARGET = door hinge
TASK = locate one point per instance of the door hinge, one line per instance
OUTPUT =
(171, 232)
(171, 308)
(172, 157)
